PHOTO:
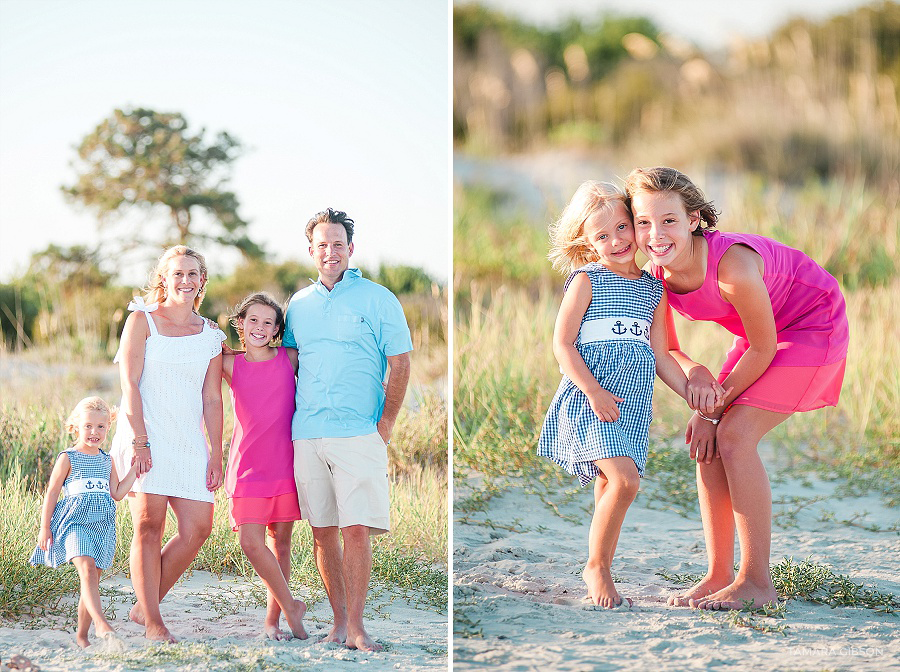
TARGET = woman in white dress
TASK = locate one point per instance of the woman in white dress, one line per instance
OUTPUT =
(170, 365)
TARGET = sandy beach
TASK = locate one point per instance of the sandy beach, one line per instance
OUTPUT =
(519, 601)
(218, 630)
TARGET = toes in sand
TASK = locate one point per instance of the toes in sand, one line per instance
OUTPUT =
(705, 587)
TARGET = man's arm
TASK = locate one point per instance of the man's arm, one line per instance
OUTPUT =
(398, 379)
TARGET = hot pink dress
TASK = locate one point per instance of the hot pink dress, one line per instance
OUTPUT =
(259, 479)
(810, 319)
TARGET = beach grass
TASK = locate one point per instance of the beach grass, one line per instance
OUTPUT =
(411, 561)
(505, 373)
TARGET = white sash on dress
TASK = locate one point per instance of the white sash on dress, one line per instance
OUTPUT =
(615, 328)
(81, 486)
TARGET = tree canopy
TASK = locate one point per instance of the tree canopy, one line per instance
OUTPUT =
(143, 159)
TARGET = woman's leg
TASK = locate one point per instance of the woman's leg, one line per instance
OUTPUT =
(611, 501)
(718, 532)
(253, 543)
(737, 442)
(90, 600)
(148, 514)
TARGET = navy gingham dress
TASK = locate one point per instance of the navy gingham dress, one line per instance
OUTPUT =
(573, 436)
(84, 523)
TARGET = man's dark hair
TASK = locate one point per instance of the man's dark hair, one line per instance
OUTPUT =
(330, 216)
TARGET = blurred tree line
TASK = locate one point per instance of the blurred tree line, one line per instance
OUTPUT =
(144, 160)
(65, 297)
(813, 100)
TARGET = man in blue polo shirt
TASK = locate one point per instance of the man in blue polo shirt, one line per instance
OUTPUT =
(349, 332)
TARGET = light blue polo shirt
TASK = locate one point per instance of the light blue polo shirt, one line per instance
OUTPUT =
(343, 338)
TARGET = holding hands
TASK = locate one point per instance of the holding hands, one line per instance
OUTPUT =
(705, 396)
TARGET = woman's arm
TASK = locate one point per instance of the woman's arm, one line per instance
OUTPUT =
(131, 366)
(118, 489)
(212, 417)
(58, 476)
(574, 305)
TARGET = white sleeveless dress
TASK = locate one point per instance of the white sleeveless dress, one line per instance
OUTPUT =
(171, 391)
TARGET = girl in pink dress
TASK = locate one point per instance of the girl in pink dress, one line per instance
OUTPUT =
(791, 335)
(259, 479)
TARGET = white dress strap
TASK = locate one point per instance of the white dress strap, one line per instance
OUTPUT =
(137, 305)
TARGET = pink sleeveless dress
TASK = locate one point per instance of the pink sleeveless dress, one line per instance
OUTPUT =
(259, 480)
(810, 319)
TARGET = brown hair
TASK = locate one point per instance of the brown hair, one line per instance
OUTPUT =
(85, 405)
(569, 249)
(155, 291)
(661, 178)
(330, 216)
(258, 299)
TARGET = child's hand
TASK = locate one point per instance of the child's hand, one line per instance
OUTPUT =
(603, 403)
(704, 393)
(45, 538)
(700, 435)
(227, 350)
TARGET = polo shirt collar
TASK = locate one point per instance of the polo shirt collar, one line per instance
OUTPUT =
(350, 276)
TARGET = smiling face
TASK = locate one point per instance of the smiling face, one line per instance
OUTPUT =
(92, 427)
(331, 252)
(663, 228)
(610, 233)
(259, 326)
(183, 279)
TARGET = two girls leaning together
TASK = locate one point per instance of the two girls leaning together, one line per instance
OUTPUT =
(614, 334)
(171, 367)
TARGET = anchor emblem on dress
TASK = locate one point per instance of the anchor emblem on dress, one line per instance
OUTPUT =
(619, 328)
(89, 485)
(636, 329)
(647, 333)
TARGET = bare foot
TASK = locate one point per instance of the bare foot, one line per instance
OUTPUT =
(82, 641)
(137, 614)
(361, 640)
(159, 634)
(707, 585)
(276, 633)
(601, 589)
(740, 593)
(294, 617)
(338, 635)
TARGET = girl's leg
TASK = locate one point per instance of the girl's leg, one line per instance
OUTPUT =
(148, 513)
(718, 532)
(90, 600)
(278, 539)
(737, 440)
(84, 625)
(253, 542)
(612, 500)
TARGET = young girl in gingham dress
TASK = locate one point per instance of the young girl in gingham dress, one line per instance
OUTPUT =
(610, 341)
(81, 527)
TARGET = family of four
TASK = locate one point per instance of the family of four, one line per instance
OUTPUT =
(313, 419)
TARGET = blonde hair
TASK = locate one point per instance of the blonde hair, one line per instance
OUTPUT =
(155, 291)
(85, 405)
(569, 249)
(662, 178)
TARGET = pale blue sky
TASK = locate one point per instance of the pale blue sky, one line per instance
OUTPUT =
(342, 103)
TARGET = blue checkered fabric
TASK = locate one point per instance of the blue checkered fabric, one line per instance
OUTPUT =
(82, 524)
(572, 435)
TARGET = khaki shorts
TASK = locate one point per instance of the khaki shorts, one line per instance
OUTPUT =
(343, 482)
